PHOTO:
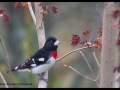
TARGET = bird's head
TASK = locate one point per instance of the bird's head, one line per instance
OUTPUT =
(51, 44)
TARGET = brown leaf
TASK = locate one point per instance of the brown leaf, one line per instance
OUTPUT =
(86, 32)
(1, 11)
(16, 5)
(116, 14)
(54, 9)
(75, 39)
(24, 4)
(118, 42)
(6, 18)
(98, 43)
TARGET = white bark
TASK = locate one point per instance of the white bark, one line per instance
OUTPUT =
(41, 38)
(109, 54)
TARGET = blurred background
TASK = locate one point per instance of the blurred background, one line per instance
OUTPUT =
(19, 36)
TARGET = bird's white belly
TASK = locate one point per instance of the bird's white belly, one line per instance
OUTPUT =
(42, 68)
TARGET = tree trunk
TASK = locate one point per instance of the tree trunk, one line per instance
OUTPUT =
(109, 54)
(41, 37)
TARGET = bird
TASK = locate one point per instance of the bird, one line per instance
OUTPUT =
(42, 60)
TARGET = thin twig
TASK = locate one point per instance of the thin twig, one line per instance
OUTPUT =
(96, 59)
(82, 74)
(7, 59)
(71, 52)
(3, 79)
(87, 63)
(31, 12)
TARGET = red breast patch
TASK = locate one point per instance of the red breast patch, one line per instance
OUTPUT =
(54, 54)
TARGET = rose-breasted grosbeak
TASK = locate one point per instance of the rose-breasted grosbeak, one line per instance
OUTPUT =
(42, 60)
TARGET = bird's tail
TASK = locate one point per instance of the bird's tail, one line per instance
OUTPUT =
(11, 70)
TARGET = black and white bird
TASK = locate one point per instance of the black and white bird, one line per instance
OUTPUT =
(42, 60)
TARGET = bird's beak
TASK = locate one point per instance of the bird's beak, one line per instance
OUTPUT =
(56, 43)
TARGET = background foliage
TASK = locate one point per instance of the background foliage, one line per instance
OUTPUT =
(20, 39)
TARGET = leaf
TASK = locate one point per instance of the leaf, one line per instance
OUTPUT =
(1, 11)
(16, 5)
(116, 13)
(98, 43)
(86, 32)
(75, 40)
(118, 42)
(54, 9)
(24, 4)
(6, 18)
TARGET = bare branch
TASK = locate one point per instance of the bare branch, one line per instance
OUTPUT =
(7, 60)
(1, 76)
(31, 12)
(96, 59)
(87, 63)
(81, 74)
(71, 52)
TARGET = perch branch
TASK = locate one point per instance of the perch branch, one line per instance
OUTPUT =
(71, 52)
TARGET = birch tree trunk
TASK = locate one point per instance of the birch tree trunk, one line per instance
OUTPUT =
(109, 54)
(41, 37)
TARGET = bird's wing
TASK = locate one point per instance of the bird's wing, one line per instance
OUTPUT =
(38, 58)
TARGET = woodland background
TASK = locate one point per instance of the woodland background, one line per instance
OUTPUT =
(20, 39)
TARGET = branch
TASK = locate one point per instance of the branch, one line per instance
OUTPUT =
(87, 63)
(7, 59)
(1, 76)
(81, 74)
(96, 59)
(71, 52)
(31, 12)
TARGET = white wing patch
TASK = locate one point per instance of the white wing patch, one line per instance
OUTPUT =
(33, 60)
(41, 59)
(16, 68)
(33, 65)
